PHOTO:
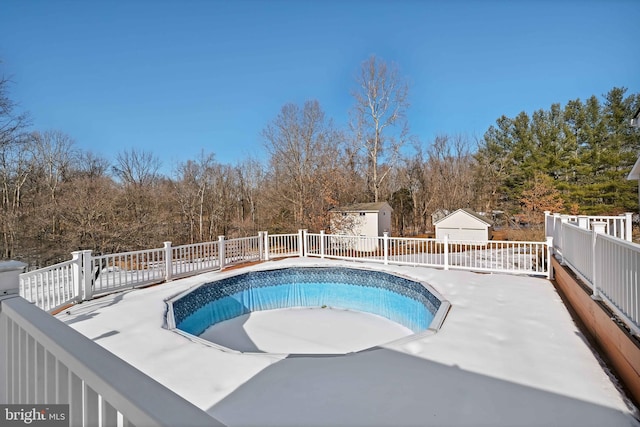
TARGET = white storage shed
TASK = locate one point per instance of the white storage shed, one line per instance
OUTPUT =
(362, 220)
(464, 224)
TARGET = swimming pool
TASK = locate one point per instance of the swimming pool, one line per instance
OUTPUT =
(407, 302)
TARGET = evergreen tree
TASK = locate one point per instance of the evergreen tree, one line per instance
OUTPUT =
(587, 149)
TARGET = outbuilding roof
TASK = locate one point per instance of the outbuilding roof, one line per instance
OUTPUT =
(469, 212)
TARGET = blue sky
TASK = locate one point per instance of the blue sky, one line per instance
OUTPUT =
(179, 77)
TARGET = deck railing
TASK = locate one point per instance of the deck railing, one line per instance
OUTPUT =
(87, 275)
(45, 362)
(605, 259)
(619, 226)
(282, 245)
(491, 256)
(52, 287)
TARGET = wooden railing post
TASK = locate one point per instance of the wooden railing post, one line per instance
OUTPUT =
(168, 261)
(221, 252)
(322, 244)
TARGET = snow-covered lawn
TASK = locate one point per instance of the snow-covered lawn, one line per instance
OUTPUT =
(507, 354)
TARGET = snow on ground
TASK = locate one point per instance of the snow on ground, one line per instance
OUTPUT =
(508, 354)
(305, 330)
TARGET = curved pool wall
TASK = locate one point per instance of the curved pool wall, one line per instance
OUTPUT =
(401, 300)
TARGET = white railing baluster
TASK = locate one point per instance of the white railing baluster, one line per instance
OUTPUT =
(42, 360)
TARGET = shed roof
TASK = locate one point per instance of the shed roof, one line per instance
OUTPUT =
(362, 207)
(468, 212)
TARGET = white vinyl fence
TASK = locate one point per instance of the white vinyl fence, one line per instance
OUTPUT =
(604, 259)
(485, 256)
(87, 275)
(43, 361)
(617, 226)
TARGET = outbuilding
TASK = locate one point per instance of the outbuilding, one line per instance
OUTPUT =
(464, 224)
(362, 219)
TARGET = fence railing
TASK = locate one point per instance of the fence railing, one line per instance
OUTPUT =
(187, 260)
(87, 275)
(619, 226)
(108, 273)
(52, 287)
(616, 278)
(43, 361)
(282, 245)
(491, 256)
(606, 262)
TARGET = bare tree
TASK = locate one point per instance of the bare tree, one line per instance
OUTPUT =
(440, 176)
(11, 122)
(378, 118)
(138, 172)
(193, 185)
(15, 168)
(138, 168)
(250, 175)
(304, 151)
(53, 155)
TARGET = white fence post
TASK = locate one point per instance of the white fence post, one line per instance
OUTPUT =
(385, 236)
(628, 226)
(4, 339)
(583, 222)
(261, 245)
(168, 261)
(300, 243)
(305, 243)
(446, 251)
(563, 220)
(87, 276)
(597, 227)
(76, 270)
(221, 252)
(547, 214)
(549, 252)
(266, 246)
(10, 278)
(322, 244)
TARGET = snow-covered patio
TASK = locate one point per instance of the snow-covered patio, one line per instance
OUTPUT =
(507, 354)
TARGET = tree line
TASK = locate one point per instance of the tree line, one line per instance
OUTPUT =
(57, 198)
